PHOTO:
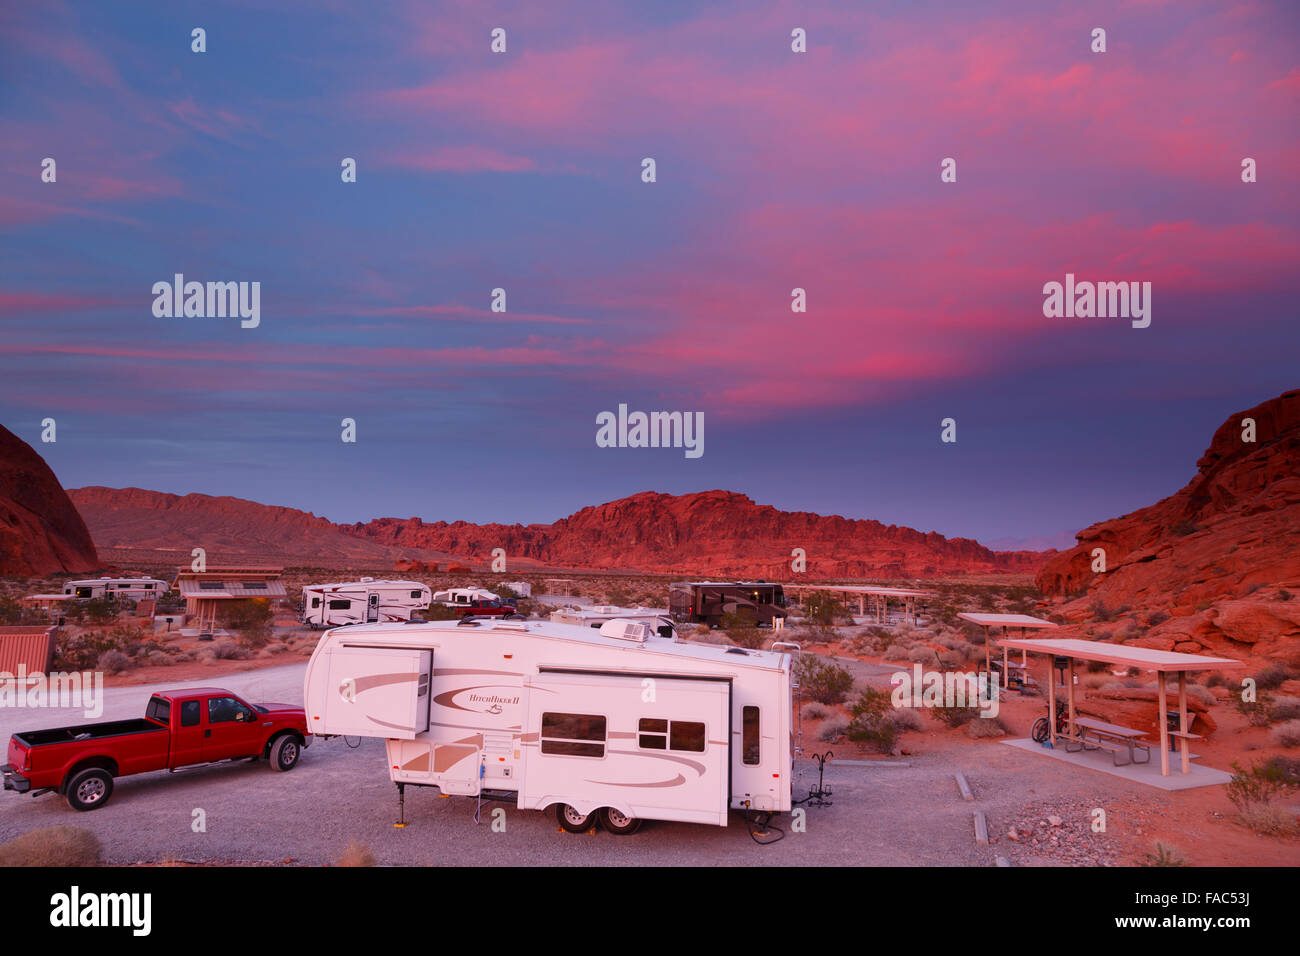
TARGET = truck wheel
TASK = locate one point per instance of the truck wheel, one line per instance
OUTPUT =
(617, 823)
(89, 789)
(571, 820)
(285, 752)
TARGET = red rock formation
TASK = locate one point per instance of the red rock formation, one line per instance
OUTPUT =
(410, 565)
(223, 526)
(710, 532)
(1221, 556)
(40, 530)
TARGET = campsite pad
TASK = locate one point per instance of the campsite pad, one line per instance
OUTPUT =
(1147, 773)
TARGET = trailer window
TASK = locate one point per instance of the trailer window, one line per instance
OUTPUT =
(189, 713)
(657, 734)
(415, 595)
(749, 735)
(315, 602)
(573, 735)
(340, 605)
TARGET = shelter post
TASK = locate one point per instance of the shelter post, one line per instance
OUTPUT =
(1182, 717)
(1051, 703)
(1070, 693)
(1164, 726)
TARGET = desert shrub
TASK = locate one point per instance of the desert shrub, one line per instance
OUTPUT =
(951, 660)
(1272, 676)
(438, 612)
(822, 680)
(899, 653)
(1261, 782)
(1268, 819)
(1287, 734)
(815, 711)
(1285, 708)
(1157, 617)
(113, 662)
(1184, 528)
(99, 611)
(985, 727)
(79, 652)
(923, 655)
(1216, 679)
(954, 716)
(1255, 711)
(1163, 855)
(61, 845)
(817, 634)
(822, 608)
(1284, 595)
(356, 854)
(870, 723)
(1197, 692)
(832, 729)
(906, 718)
(1100, 612)
(1096, 667)
(225, 651)
(1096, 681)
(277, 648)
(251, 618)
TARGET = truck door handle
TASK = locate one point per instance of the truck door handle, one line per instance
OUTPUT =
(207, 733)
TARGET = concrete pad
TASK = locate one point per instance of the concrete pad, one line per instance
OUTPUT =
(1147, 773)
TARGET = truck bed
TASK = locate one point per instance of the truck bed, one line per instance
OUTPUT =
(112, 728)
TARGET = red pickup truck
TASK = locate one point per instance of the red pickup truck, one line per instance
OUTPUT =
(483, 607)
(179, 729)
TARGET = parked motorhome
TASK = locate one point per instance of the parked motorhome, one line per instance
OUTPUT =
(597, 614)
(107, 587)
(705, 602)
(364, 601)
(616, 724)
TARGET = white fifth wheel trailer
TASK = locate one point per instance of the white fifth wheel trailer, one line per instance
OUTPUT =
(364, 601)
(617, 724)
(133, 588)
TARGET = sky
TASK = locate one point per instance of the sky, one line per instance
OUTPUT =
(523, 170)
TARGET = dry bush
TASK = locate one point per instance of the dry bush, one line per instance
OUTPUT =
(1268, 819)
(356, 854)
(52, 846)
(1288, 734)
(906, 718)
(832, 730)
(1285, 708)
(816, 711)
(985, 727)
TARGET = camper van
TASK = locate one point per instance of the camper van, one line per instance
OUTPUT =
(106, 587)
(705, 602)
(617, 724)
(598, 614)
(364, 601)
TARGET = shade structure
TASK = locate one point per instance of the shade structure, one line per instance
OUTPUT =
(1023, 621)
(1143, 658)
(878, 596)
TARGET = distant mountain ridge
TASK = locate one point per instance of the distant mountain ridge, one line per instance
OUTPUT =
(709, 532)
(40, 530)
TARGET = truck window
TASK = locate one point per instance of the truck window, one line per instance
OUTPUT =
(223, 710)
(189, 713)
(159, 709)
(749, 735)
(573, 735)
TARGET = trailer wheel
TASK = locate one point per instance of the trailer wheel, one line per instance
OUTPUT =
(571, 820)
(285, 752)
(618, 823)
(89, 789)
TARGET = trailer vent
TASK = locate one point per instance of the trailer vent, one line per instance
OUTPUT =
(468, 621)
(635, 631)
(737, 650)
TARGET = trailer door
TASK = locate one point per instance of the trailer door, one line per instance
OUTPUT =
(653, 746)
(372, 607)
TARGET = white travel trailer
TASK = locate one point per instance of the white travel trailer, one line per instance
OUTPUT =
(597, 614)
(461, 597)
(521, 588)
(616, 724)
(364, 601)
(133, 588)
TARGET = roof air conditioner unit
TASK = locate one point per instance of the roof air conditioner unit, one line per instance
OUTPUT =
(634, 631)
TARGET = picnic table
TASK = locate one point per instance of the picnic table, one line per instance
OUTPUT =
(1094, 734)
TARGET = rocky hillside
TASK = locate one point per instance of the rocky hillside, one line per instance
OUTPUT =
(1220, 558)
(229, 529)
(710, 532)
(40, 531)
